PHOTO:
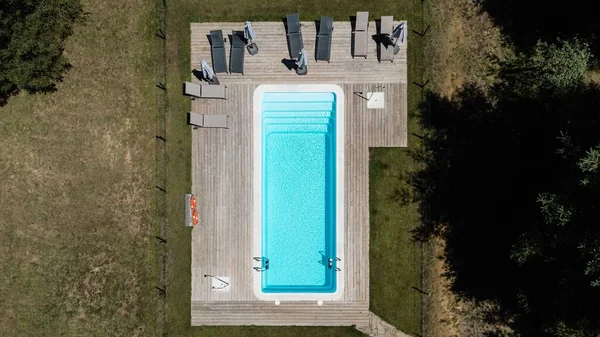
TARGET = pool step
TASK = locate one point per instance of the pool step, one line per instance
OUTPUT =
(289, 106)
(303, 97)
(297, 122)
(287, 313)
(298, 114)
(297, 128)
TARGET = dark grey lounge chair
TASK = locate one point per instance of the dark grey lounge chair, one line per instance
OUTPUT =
(236, 57)
(294, 35)
(217, 46)
(324, 39)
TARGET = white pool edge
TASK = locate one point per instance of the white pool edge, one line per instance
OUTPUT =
(339, 183)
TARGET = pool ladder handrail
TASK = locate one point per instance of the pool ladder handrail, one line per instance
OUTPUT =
(330, 263)
(265, 265)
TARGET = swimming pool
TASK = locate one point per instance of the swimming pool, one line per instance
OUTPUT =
(298, 192)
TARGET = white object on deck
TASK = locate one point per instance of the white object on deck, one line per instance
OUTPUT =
(250, 33)
(375, 100)
(207, 71)
(302, 60)
(398, 33)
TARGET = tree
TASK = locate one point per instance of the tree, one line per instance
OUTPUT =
(32, 36)
(572, 211)
(557, 67)
(512, 183)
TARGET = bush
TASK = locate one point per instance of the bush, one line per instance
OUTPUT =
(32, 35)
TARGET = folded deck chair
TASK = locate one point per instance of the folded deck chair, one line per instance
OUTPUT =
(236, 57)
(204, 90)
(361, 34)
(294, 35)
(217, 47)
(324, 39)
(208, 121)
(386, 48)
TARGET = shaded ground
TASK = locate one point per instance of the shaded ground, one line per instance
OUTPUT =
(448, 314)
(463, 46)
(77, 167)
(487, 163)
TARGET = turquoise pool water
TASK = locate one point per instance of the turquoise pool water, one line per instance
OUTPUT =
(298, 192)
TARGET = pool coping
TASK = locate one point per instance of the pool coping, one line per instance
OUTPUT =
(257, 190)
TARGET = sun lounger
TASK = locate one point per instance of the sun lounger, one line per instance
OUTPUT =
(217, 47)
(236, 57)
(208, 121)
(386, 48)
(294, 35)
(324, 39)
(204, 90)
(361, 34)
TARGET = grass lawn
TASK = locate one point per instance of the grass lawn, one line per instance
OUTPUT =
(78, 218)
(76, 228)
(395, 259)
(394, 256)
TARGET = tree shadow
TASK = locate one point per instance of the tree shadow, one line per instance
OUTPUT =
(487, 158)
(527, 21)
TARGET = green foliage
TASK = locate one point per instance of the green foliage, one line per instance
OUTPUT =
(561, 329)
(589, 166)
(32, 35)
(593, 265)
(554, 209)
(527, 247)
(560, 66)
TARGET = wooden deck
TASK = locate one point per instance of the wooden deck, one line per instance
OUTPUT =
(222, 175)
(267, 66)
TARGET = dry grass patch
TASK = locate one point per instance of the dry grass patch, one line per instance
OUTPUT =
(463, 46)
(77, 191)
(450, 316)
